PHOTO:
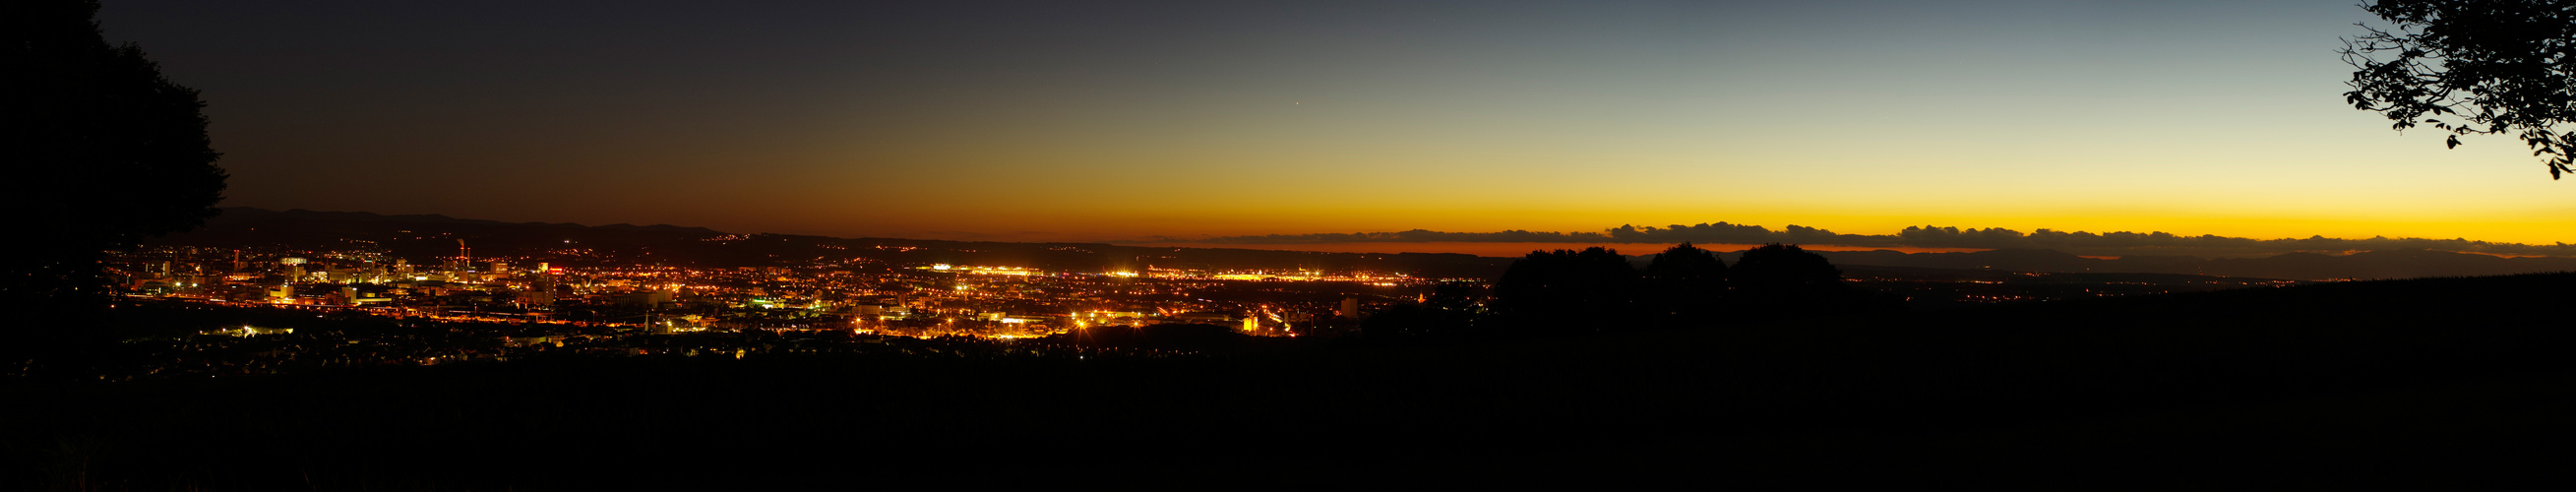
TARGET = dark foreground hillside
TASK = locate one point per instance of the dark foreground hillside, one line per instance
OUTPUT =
(2315, 384)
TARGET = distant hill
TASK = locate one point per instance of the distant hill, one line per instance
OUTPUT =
(432, 238)
(2295, 266)
(429, 239)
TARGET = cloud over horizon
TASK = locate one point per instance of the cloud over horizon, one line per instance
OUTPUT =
(2121, 243)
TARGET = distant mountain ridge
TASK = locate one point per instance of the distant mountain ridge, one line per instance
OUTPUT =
(2299, 266)
(437, 236)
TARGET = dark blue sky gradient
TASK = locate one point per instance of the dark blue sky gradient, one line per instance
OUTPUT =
(1104, 120)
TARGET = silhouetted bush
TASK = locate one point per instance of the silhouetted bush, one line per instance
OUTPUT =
(1566, 290)
(1784, 281)
(1686, 285)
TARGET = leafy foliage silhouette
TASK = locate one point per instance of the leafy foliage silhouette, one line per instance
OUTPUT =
(1784, 267)
(2472, 67)
(1687, 283)
(1778, 280)
(1568, 290)
(104, 152)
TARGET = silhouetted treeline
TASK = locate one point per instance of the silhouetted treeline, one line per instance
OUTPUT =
(1597, 289)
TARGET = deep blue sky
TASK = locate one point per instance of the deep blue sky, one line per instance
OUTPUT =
(1105, 120)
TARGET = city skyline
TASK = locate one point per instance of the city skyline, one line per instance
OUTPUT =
(641, 245)
(1018, 122)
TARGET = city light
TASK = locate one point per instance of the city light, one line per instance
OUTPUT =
(507, 305)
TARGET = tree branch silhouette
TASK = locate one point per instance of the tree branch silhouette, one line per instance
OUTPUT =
(2490, 66)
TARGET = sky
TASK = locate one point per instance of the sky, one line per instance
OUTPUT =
(1114, 120)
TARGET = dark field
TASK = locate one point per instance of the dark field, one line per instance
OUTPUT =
(2255, 388)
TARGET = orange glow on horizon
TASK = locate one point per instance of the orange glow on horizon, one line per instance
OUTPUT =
(1513, 250)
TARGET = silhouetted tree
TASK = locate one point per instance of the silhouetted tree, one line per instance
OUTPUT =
(1783, 267)
(2472, 67)
(1686, 284)
(1590, 290)
(104, 152)
(1778, 280)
